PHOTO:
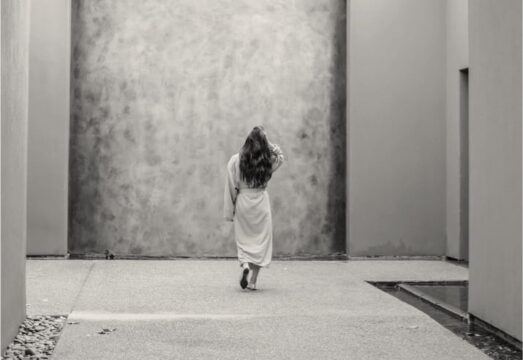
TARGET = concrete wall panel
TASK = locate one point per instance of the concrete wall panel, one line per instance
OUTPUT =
(14, 90)
(457, 59)
(397, 127)
(48, 146)
(164, 92)
(495, 163)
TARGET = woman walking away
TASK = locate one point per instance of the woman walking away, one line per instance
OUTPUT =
(247, 203)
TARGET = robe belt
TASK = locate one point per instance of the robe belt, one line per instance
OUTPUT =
(251, 190)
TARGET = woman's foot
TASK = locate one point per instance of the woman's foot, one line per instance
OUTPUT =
(251, 287)
(245, 274)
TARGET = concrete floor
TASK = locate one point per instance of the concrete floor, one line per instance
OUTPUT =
(190, 309)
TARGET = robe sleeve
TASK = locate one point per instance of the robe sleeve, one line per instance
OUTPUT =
(277, 157)
(230, 193)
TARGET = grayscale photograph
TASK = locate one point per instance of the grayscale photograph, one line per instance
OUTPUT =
(261, 179)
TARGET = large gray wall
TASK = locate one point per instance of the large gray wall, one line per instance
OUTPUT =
(164, 92)
(495, 163)
(396, 127)
(13, 115)
(457, 59)
(48, 147)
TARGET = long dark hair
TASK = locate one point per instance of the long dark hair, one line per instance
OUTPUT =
(255, 159)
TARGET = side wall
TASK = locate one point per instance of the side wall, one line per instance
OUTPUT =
(495, 163)
(48, 146)
(14, 84)
(457, 59)
(164, 92)
(397, 127)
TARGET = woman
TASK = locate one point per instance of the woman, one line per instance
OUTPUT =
(247, 203)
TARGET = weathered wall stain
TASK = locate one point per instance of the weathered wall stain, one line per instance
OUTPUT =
(164, 92)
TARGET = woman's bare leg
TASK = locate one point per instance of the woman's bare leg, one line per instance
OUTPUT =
(254, 276)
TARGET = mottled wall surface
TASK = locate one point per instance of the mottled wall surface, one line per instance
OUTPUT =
(164, 92)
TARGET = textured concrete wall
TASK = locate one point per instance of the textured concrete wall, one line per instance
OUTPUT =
(164, 92)
(14, 88)
(397, 127)
(457, 59)
(48, 146)
(495, 163)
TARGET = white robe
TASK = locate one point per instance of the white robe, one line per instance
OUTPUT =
(250, 209)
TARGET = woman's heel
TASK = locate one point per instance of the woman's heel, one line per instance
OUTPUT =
(245, 274)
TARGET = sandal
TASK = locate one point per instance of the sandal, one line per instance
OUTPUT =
(243, 281)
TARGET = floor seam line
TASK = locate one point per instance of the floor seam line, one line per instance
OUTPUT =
(75, 301)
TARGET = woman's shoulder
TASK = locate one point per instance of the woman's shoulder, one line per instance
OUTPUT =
(234, 159)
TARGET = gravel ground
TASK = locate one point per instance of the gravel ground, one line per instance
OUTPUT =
(36, 338)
